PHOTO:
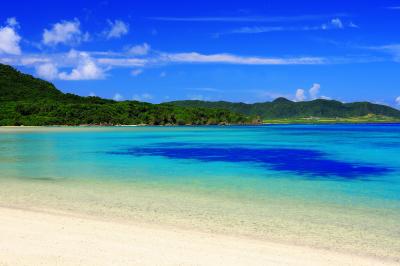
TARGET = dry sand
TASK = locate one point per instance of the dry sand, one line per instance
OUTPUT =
(38, 238)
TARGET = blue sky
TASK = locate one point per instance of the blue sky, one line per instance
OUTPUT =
(250, 51)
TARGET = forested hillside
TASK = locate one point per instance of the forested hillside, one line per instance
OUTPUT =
(284, 108)
(26, 100)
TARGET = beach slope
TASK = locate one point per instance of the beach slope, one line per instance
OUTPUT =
(40, 238)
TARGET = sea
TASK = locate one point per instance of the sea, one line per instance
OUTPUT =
(333, 187)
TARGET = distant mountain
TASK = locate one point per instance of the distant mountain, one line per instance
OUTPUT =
(284, 108)
(26, 100)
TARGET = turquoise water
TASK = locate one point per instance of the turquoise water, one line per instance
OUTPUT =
(309, 174)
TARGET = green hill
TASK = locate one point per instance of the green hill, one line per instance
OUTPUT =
(282, 108)
(26, 100)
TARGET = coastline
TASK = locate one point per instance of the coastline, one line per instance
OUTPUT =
(265, 123)
(71, 239)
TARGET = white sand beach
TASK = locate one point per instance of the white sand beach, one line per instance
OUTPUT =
(40, 238)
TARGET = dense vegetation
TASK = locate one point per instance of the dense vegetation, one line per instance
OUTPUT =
(282, 108)
(25, 100)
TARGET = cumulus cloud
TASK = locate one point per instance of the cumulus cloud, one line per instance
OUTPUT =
(300, 95)
(9, 38)
(116, 29)
(47, 71)
(118, 97)
(83, 67)
(141, 49)
(136, 72)
(398, 100)
(64, 32)
(314, 90)
(86, 68)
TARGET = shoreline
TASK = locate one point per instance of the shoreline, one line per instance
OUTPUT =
(72, 239)
(217, 125)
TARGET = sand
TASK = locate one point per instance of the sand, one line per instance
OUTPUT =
(39, 238)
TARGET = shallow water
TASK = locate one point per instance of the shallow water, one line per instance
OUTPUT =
(331, 186)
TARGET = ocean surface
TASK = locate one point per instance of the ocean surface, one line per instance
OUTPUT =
(329, 186)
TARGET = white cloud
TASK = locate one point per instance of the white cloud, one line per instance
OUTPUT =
(118, 97)
(336, 22)
(117, 29)
(136, 72)
(92, 94)
(83, 67)
(64, 32)
(9, 38)
(234, 59)
(352, 25)
(141, 49)
(142, 97)
(86, 68)
(300, 95)
(12, 22)
(393, 49)
(248, 18)
(314, 90)
(398, 100)
(122, 62)
(325, 97)
(47, 71)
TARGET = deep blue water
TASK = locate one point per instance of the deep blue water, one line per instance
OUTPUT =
(307, 162)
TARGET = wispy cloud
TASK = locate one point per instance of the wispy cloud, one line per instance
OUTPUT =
(136, 72)
(143, 97)
(248, 18)
(118, 97)
(393, 7)
(204, 89)
(85, 65)
(116, 29)
(195, 57)
(392, 49)
(333, 24)
(122, 61)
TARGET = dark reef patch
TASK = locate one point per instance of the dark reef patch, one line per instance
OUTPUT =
(306, 162)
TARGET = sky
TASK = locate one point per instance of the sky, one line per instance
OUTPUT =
(248, 51)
